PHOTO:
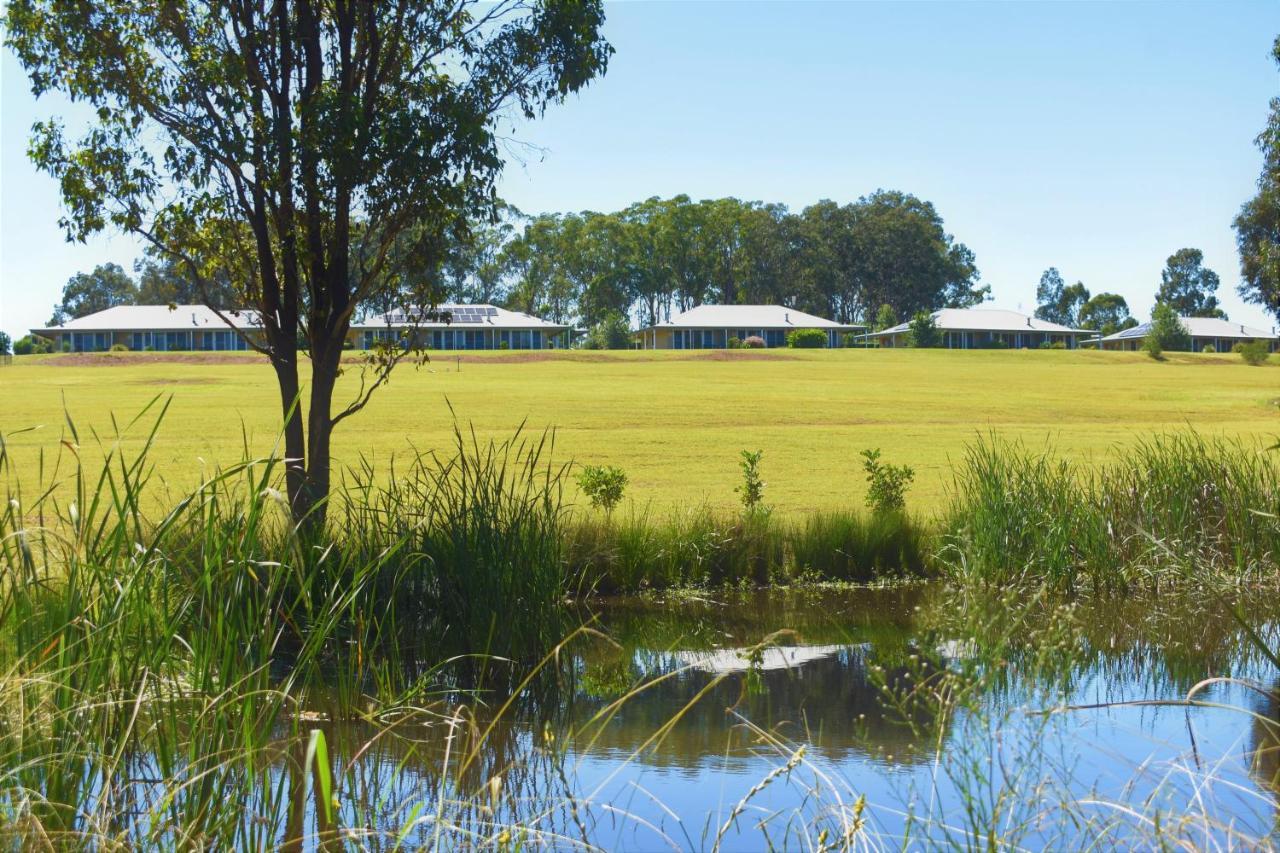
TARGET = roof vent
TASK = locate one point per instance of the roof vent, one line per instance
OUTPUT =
(786, 317)
(194, 321)
(1028, 322)
(1242, 328)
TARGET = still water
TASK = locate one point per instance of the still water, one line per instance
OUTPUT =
(862, 717)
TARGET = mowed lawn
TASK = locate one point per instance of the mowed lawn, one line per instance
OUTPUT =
(674, 421)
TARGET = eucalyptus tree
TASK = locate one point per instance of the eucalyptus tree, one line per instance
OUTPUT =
(1258, 224)
(1188, 286)
(905, 258)
(106, 286)
(1058, 302)
(1106, 314)
(283, 125)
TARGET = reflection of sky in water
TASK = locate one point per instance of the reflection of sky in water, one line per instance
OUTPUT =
(632, 790)
(682, 788)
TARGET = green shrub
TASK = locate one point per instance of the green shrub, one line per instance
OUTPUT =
(1254, 352)
(734, 342)
(752, 488)
(603, 485)
(119, 348)
(886, 484)
(807, 339)
(886, 317)
(1208, 349)
(1167, 333)
(923, 331)
(612, 332)
(32, 345)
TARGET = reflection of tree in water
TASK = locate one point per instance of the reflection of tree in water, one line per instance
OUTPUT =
(830, 701)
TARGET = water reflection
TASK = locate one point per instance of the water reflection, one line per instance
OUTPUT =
(649, 737)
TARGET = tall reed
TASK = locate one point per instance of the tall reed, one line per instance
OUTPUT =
(1176, 506)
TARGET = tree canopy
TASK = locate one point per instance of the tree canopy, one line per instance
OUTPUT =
(1188, 286)
(661, 256)
(1106, 313)
(107, 286)
(299, 147)
(1258, 224)
(1056, 302)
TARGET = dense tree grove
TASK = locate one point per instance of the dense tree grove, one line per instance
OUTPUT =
(1073, 306)
(662, 256)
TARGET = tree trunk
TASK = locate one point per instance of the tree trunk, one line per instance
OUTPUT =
(319, 431)
(295, 451)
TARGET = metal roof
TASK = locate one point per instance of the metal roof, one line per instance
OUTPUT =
(155, 318)
(748, 317)
(1199, 327)
(985, 320)
(463, 316)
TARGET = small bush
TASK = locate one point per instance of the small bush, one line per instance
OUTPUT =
(735, 342)
(603, 485)
(1254, 352)
(119, 348)
(752, 488)
(1151, 346)
(753, 342)
(1167, 330)
(612, 332)
(1208, 349)
(886, 484)
(807, 339)
(32, 345)
(924, 331)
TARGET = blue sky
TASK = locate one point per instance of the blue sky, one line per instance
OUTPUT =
(1095, 137)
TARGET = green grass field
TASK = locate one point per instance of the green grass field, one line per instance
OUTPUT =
(674, 421)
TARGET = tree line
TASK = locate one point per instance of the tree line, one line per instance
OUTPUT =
(646, 262)
(1187, 287)
(877, 261)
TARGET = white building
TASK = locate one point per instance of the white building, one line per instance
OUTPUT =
(711, 327)
(987, 328)
(152, 327)
(468, 327)
(1220, 334)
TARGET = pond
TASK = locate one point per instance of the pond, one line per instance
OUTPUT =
(859, 717)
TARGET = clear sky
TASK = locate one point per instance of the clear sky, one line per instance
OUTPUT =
(1095, 137)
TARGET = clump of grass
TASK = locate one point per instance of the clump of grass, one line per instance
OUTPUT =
(697, 548)
(1176, 506)
(861, 548)
(484, 537)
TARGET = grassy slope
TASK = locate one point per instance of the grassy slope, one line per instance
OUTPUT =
(676, 422)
